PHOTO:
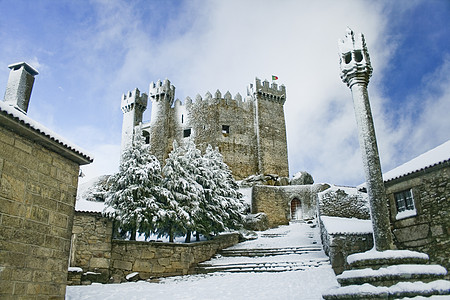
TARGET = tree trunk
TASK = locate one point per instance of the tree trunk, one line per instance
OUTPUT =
(197, 236)
(133, 234)
(188, 237)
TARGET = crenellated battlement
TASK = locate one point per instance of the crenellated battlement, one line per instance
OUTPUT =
(249, 130)
(162, 90)
(134, 99)
(267, 91)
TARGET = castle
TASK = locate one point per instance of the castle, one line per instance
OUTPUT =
(249, 132)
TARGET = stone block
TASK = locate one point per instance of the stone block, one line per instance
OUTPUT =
(142, 266)
(24, 146)
(100, 263)
(123, 265)
(411, 233)
(437, 230)
(164, 261)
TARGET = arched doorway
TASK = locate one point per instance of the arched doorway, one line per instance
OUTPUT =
(296, 209)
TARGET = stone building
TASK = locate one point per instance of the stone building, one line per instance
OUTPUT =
(250, 132)
(38, 184)
(418, 193)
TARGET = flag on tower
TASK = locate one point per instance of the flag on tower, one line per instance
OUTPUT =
(274, 77)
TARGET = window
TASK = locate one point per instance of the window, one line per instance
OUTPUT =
(225, 130)
(182, 119)
(187, 133)
(405, 204)
(146, 136)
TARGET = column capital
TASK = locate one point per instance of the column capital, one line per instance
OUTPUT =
(354, 59)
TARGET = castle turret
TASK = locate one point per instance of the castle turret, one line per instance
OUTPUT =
(20, 84)
(162, 96)
(133, 106)
(270, 127)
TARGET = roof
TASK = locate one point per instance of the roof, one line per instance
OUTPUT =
(434, 157)
(20, 123)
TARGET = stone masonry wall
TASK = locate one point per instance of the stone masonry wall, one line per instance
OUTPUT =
(37, 198)
(429, 230)
(275, 201)
(339, 246)
(102, 258)
(91, 243)
(154, 259)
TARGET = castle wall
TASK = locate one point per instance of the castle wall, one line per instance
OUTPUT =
(37, 198)
(250, 133)
(275, 201)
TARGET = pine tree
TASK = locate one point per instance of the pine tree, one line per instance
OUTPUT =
(135, 192)
(179, 179)
(226, 208)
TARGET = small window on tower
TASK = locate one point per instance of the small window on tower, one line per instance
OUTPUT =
(225, 130)
(182, 119)
(187, 133)
(146, 137)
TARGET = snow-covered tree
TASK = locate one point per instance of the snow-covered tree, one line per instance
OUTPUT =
(135, 192)
(226, 208)
(179, 179)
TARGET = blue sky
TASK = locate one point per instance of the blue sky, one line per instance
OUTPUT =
(89, 53)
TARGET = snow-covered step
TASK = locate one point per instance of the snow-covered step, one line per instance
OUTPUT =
(256, 252)
(261, 266)
(387, 276)
(375, 259)
(397, 291)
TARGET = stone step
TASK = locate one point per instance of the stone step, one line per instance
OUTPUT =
(269, 251)
(376, 260)
(397, 291)
(259, 267)
(387, 276)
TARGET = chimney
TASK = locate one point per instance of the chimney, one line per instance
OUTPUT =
(20, 84)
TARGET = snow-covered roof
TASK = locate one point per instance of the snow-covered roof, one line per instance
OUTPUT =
(17, 121)
(338, 225)
(434, 157)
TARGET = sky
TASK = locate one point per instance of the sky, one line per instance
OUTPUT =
(89, 53)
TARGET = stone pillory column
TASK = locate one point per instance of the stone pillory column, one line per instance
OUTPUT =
(355, 72)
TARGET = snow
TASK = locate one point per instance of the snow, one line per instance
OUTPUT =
(433, 157)
(308, 283)
(388, 254)
(406, 214)
(338, 225)
(393, 271)
(131, 275)
(417, 286)
(75, 269)
(23, 118)
(246, 194)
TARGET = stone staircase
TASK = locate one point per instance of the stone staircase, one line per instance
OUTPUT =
(392, 274)
(254, 259)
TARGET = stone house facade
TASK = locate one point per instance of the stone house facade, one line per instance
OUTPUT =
(38, 184)
(418, 194)
(250, 132)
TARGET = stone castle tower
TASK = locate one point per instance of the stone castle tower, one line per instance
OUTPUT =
(250, 132)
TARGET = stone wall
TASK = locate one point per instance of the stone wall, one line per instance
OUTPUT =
(105, 260)
(275, 201)
(154, 259)
(91, 243)
(338, 246)
(429, 230)
(37, 198)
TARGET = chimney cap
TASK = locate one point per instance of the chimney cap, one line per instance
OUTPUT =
(27, 67)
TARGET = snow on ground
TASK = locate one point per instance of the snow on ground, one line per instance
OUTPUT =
(338, 225)
(307, 284)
